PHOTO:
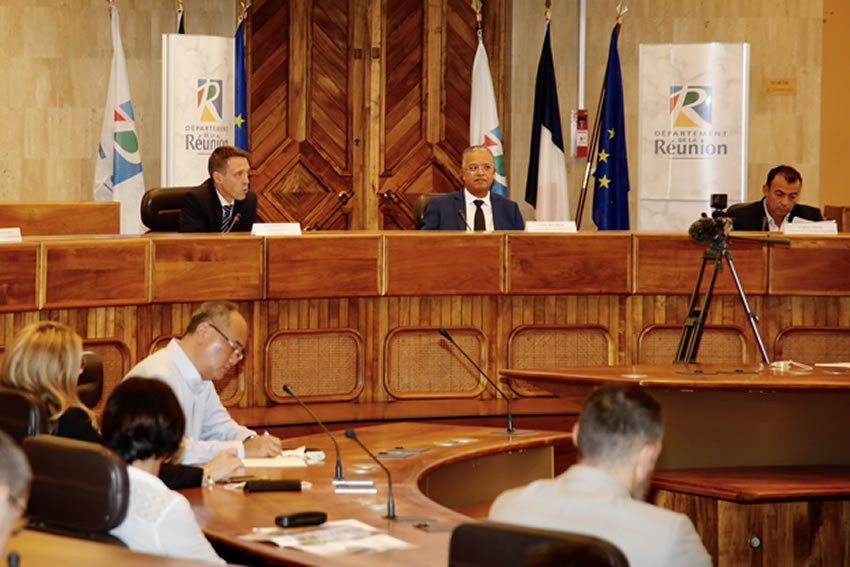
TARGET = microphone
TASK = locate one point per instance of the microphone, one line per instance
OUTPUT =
(510, 430)
(233, 222)
(390, 502)
(288, 390)
(704, 229)
(463, 218)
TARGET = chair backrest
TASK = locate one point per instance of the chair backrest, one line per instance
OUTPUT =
(492, 544)
(90, 383)
(161, 208)
(419, 206)
(78, 489)
(21, 414)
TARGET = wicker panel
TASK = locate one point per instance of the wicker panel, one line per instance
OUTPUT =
(541, 346)
(229, 388)
(657, 344)
(419, 363)
(813, 344)
(322, 365)
(115, 357)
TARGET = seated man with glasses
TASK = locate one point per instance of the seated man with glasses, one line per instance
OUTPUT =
(214, 343)
(474, 207)
(15, 479)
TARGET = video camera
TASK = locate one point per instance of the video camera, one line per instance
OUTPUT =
(715, 228)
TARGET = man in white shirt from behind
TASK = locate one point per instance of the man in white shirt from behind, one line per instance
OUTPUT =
(214, 342)
(618, 437)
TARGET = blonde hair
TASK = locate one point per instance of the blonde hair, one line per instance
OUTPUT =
(44, 358)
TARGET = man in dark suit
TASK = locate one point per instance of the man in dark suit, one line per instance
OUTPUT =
(222, 203)
(474, 207)
(779, 204)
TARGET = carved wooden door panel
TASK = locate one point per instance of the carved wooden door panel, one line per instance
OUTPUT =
(358, 106)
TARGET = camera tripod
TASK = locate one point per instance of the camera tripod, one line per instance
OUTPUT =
(695, 319)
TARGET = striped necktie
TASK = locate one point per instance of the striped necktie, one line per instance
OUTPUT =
(226, 212)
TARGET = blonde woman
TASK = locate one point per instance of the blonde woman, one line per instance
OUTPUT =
(45, 358)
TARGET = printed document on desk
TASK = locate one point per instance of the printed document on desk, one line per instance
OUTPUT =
(338, 537)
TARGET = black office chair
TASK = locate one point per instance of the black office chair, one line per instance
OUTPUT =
(78, 489)
(492, 544)
(419, 206)
(161, 208)
(90, 383)
(21, 414)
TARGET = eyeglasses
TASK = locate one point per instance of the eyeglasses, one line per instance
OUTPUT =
(238, 350)
(485, 167)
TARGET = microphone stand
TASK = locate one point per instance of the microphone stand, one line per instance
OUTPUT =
(510, 430)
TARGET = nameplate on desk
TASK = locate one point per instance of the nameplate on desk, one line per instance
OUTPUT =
(550, 226)
(10, 235)
(276, 229)
(802, 226)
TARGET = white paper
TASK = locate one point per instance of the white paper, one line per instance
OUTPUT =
(10, 235)
(276, 229)
(338, 537)
(292, 458)
(805, 226)
(550, 226)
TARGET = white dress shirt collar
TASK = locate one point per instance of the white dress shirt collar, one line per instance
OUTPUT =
(487, 208)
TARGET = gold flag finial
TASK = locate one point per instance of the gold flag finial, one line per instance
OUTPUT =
(621, 11)
(476, 5)
(548, 13)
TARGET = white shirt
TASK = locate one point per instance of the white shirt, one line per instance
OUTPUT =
(771, 224)
(209, 427)
(487, 208)
(160, 521)
(589, 501)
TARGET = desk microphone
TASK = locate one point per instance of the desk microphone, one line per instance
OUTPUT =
(390, 502)
(233, 222)
(510, 430)
(463, 218)
(288, 390)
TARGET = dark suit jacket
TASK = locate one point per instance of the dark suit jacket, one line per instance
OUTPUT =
(201, 210)
(752, 216)
(441, 213)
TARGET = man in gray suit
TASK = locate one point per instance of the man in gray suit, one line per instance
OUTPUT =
(618, 438)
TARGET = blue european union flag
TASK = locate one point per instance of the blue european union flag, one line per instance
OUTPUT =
(611, 187)
(240, 121)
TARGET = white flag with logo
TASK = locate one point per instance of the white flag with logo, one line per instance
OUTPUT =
(484, 119)
(118, 172)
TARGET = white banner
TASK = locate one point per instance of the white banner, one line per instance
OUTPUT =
(692, 128)
(197, 104)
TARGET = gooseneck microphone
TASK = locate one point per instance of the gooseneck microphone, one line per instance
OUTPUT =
(463, 218)
(233, 222)
(510, 429)
(288, 390)
(390, 502)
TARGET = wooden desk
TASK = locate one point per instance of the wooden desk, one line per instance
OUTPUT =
(37, 549)
(435, 484)
(85, 217)
(721, 415)
(764, 515)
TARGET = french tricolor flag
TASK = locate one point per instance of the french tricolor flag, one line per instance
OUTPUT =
(546, 187)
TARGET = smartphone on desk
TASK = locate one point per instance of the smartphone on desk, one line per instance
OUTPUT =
(285, 484)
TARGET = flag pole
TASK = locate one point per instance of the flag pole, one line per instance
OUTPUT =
(594, 138)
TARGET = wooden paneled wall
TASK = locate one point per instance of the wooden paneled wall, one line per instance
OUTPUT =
(378, 301)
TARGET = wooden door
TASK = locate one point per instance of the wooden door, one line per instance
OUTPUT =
(356, 107)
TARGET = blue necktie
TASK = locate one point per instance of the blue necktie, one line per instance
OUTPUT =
(226, 212)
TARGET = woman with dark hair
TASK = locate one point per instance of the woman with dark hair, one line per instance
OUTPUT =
(143, 423)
